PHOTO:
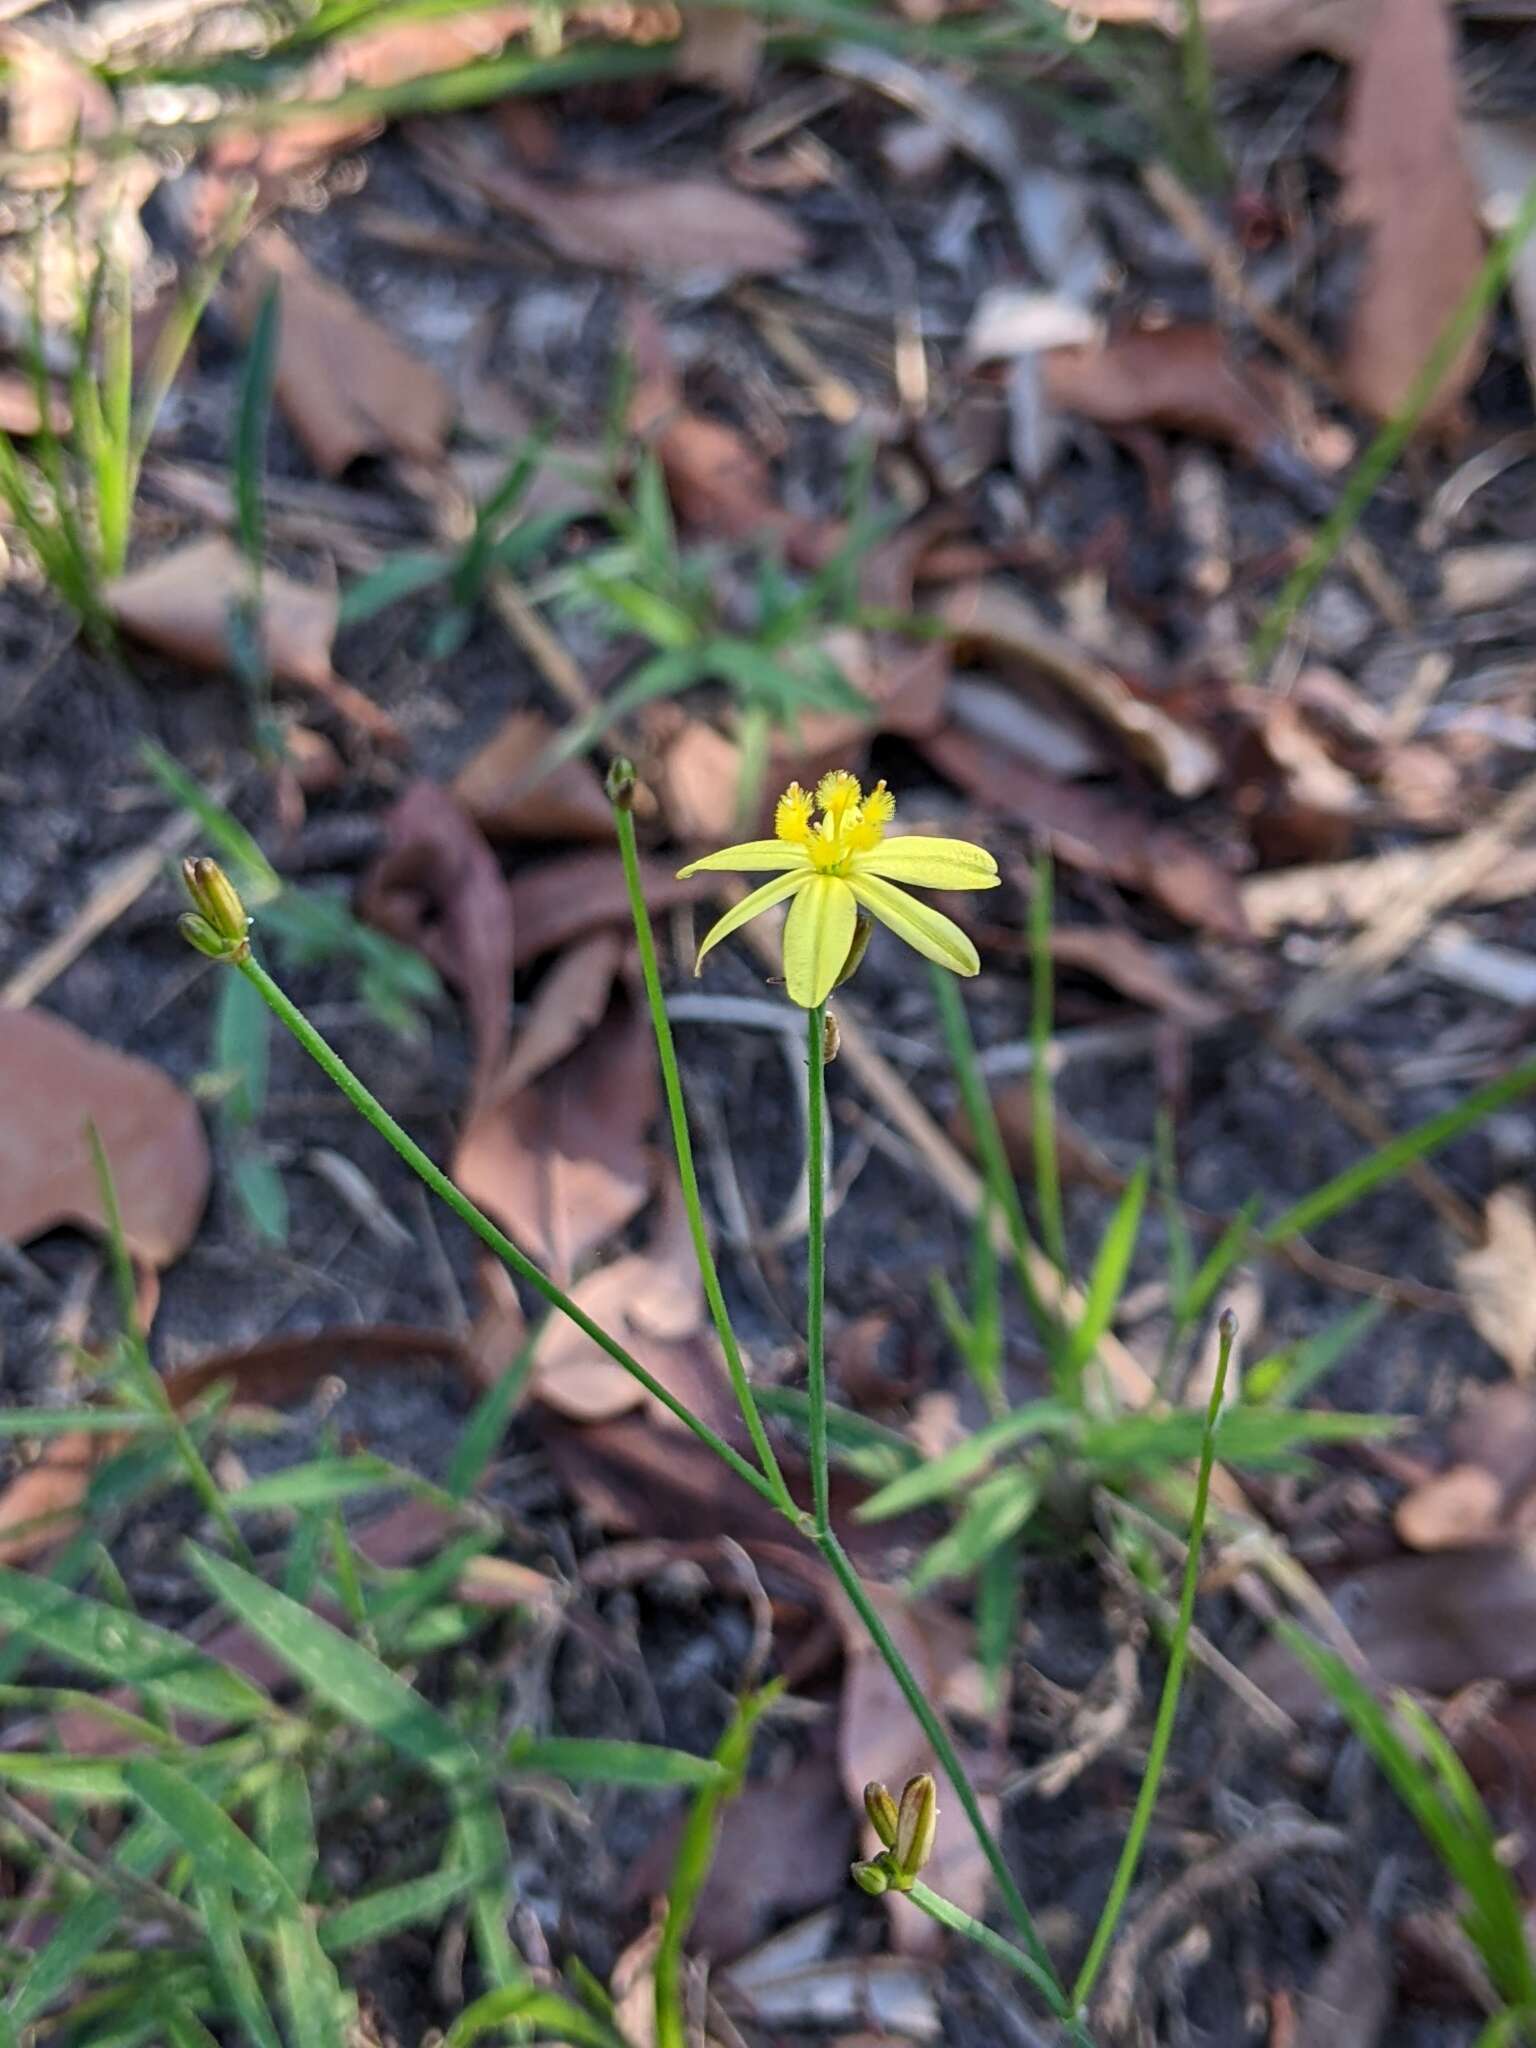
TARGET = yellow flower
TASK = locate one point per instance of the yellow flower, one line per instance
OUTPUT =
(839, 862)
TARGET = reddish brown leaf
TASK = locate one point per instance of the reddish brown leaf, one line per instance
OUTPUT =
(437, 887)
(280, 1369)
(700, 772)
(1138, 970)
(56, 1081)
(571, 1001)
(181, 604)
(1177, 380)
(1495, 1279)
(562, 900)
(677, 229)
(1097, 835)
(344, 383)
(500, 791)
(1407, 183)
(562, 1164)
(1456, 1509)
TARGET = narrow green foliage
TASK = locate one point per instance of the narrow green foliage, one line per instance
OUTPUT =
(1168, 1704)
(694, 1859)
(1384, 452)
(995, 1511)
(1283, 1377)
(940, 1477)
(1042, 1097)
(1106, 1283)
(550, 2015)
(1432, 1782)
(487, 1424)
(581, 1760)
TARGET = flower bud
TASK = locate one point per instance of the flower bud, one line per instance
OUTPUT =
(881, 1808)
(873, 1877)
(217, 924)
(831, 1038)
(620, 783)
(917, 1822)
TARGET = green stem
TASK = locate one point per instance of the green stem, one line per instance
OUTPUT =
(1042, 1101)
(292, 1017)
(960, 1922)
(1168, 1705)
(682, 1143)
(1200, 96)
(816, 1269)
(948, 1760)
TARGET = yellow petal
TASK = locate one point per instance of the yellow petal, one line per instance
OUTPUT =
(817, 934)
(752, 856)
(930, 863)
(926, 930)
(748, 908)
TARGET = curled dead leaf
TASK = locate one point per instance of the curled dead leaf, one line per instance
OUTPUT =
(437, 887)
(1180, 380)
(1408, 184)
(562, 900)
(1006, 625)
(562, 1163)
(508, 798)
(683, 230)
(181, 604)
(57, 1080)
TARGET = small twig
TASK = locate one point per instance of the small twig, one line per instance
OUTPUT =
(118, 890)
(1224, 1871)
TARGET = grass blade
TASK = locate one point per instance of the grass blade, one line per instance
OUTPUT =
(580, 1760)
(1106, 1283)
(998, 1510)
(341, 1672)
(1042, 1093)
(227, 1945)
(940, 1477)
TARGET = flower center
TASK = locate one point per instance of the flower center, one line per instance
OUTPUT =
(836, 823)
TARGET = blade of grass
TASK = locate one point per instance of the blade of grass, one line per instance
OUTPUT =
(1168, 1704)
(1382, 456)
(1042, 1090)
(341, 1672)
(582, 1760)
(226, 1944)
(695, 1857)
(547, 2010)
(939, 1477)
(994, 1513)
(487, 1424)
(1106, 1283)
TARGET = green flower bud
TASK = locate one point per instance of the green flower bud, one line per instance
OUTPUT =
(621, 783)
(881, 1808)
(873, 1877)
(917, 1823)
(218, 914)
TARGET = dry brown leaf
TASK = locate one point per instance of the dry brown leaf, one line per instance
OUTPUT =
(1180, 380)
(1097, 835)
(1498, 1280)
(993, 617)
(570, 1003)
(1406, 182)
(699, 775)
(1138, 970)
(680, 230)
(562, 900)
(500, 791)
(784, 1849)
(180, 604)
(716, 479)
(56, 1081)
(281, 1369)
(345, 385)
(1456, 1509)
(563, 1163)
(437, 887)
(53, 104)
(20, 412)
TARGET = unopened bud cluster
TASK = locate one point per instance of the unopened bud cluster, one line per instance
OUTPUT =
(906, 1829)
(216, 924)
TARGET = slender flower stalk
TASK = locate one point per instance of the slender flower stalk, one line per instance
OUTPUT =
(619, 792)
(816, 1271)
(373, 1111)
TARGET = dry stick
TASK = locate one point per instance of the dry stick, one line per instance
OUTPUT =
(1222, 1872)
(118, 890)
(1454, 872)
